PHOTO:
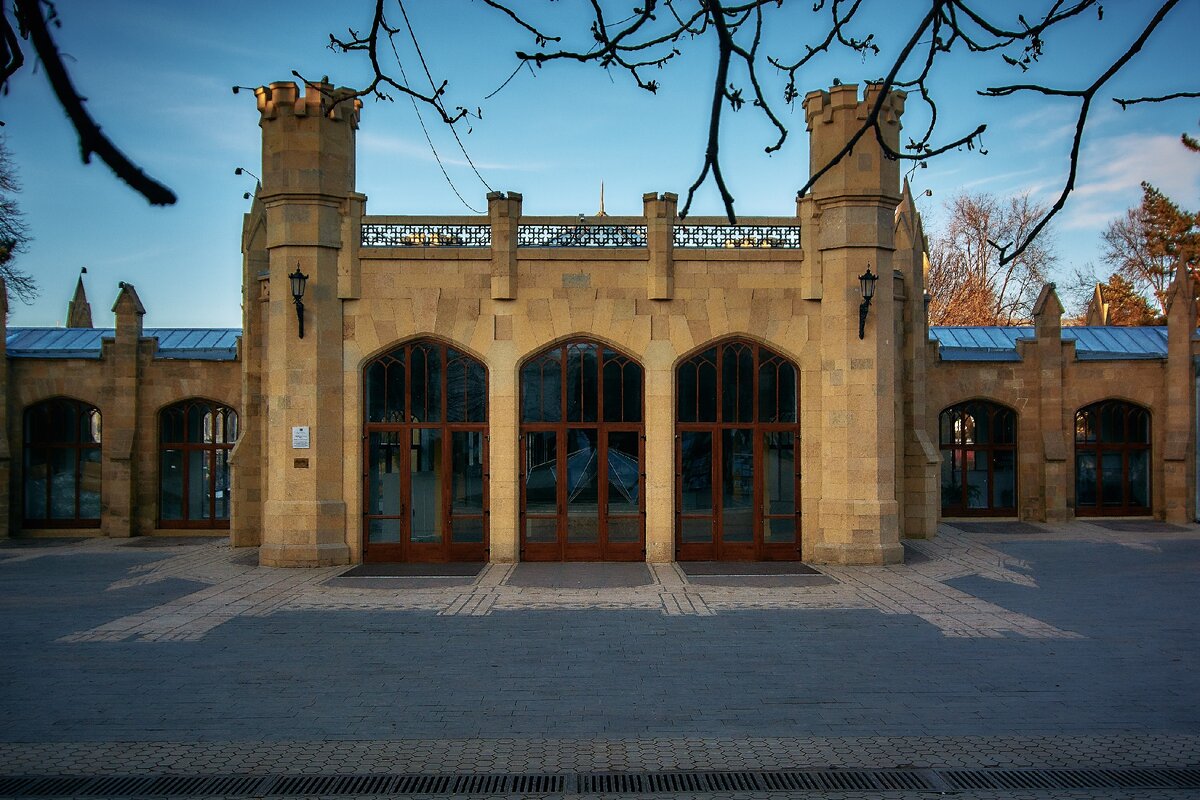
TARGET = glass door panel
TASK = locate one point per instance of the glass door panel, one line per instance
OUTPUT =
(541, 487)
(1085, 479)
(696, 487)
(466, 487)
(583, 486)
(1139, 478)
(198, 490)
(384, 498)
(425, 487)
(623, 508)
(737, 486)
(779, 488)
(1111, 483)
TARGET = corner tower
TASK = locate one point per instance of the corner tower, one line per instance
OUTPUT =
(851, 211)
(308, 155)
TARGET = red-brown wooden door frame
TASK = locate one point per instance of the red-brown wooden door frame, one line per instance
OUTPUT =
(445, 550)
(563, 549)
(718, 549)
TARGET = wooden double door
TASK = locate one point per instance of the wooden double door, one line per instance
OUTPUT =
(426, 493)
(582, 493)
(737, 493)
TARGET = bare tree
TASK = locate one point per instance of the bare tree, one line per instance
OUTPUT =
(30, 21)
(1150, 240)
(648, 34)
(651, 34)
(14, 234)
(969, 282)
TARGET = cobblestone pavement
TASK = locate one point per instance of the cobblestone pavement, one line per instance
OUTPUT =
(239, 588)
(1067, 647)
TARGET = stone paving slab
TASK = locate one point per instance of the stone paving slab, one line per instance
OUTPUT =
(918, 588)
(514, 755)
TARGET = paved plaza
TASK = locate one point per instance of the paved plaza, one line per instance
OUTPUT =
(997, 646)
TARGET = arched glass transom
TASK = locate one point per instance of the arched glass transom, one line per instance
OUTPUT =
(195, 440)
(738, 476)
(581, 451)
(979, 459)
(425, 476)
(61, 467)
(1112, 459)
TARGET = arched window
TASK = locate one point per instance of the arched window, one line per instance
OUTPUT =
(979, 459)
(581, 451)
(425, 479)
(194, 441)
(1112, 459)
(62, 465)
(738, 477)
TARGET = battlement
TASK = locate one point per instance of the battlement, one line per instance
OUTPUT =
(821, 106)
(319, 99)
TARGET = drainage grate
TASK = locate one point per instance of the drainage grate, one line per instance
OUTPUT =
(811, 780)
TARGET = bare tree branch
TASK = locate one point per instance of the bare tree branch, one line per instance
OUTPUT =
(1085, 96)
(92, 140)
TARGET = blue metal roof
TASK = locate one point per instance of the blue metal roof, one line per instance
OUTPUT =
(1092, 343)
(196, 344)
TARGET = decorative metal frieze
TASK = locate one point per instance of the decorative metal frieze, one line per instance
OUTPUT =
(427, 235)
(581, 236)
(765, 236)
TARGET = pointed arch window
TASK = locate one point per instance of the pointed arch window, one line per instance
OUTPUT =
(61, 465)
(737, 454)
(979, 459)
(425, 435)
(195, 439)
(1112, 459)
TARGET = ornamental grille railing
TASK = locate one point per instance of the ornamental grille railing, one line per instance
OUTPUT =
(566, 235)
(766, 236)
(427, 235)
(581, 236)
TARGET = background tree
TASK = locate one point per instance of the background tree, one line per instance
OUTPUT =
(1145, 244)
(14, 235)
(969, 281)
(1126, 305)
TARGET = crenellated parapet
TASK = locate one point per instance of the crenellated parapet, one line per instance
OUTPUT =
(308, 140)
(833, 118)
(283, 98)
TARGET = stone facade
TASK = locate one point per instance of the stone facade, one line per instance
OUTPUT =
(503, 288)
(129, 384)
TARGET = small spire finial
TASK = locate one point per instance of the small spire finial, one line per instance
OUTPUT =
(601, 212)
(79, 311)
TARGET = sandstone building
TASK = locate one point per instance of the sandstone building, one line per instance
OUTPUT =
(505, 387)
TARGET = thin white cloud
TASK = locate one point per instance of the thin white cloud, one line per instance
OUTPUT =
(382, 145)
(1112, 170)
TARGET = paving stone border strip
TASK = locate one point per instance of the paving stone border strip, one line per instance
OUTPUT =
(793, 782)
(656, 754)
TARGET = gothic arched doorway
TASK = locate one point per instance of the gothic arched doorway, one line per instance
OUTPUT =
(425, 451)
(581, 455)
(737, 455)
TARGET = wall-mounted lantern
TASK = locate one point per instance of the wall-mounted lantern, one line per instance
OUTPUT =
(866, 285)
(299, 281)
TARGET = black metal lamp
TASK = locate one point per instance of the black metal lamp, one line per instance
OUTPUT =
(299, 281)
(866, 285)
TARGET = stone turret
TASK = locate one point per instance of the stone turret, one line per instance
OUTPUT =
(833, 118)
(79, 311)
(308, 164)
(851, 211)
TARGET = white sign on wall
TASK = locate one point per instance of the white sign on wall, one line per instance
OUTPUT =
(300, 437)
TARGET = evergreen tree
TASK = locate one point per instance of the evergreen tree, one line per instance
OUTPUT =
(1145, 245)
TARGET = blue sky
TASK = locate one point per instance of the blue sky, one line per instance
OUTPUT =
(158, 78)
